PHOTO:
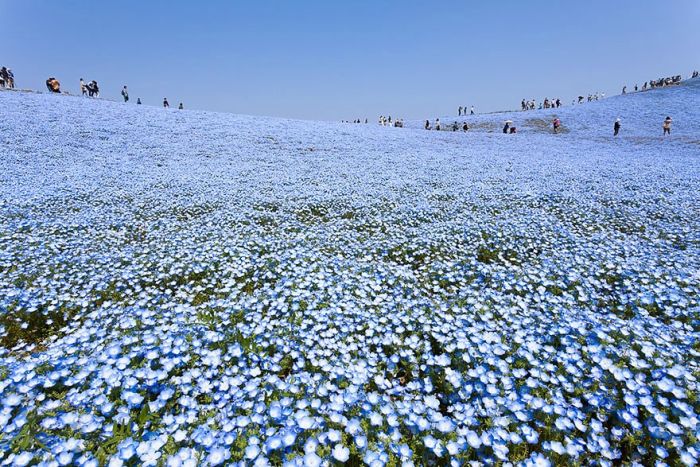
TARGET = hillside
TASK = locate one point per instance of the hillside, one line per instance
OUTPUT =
(215, 288)
(642, 114)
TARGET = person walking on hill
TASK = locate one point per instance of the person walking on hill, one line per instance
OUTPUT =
(125, 94)
(667, 126)
(93, 89)
(165, 102)
(459, 111)
(472, 110)
(556, 124)
(617, 127)
(10, 79)
(83, 87)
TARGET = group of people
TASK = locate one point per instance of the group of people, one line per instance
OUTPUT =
(357, 120)
(166, 104)
(695, 74)
(546, 104)
(439, 127)
(90, 89)
(386, 121)
(660, 83)
(508, 127)
(666, 126)
(462, 111)
(7, 79)
(591, 98)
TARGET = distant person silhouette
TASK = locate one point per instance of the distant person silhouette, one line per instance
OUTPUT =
(667, 126)
(556, 124)
(617, 127)
(125, 94)
(180, 107)
(138, 101)
(165, 102)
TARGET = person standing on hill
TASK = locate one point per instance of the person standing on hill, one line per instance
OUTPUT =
(667, 126)
(617, 127)
(125, 94)
(459, 111)
(165, 102)
(556, 124)
(181, 107)
(472, 110)
(83, 87)
(138, 101)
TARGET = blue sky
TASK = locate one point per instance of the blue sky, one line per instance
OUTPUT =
(328, 59)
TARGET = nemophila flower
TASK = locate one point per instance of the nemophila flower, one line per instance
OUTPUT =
(22, 459)
(218, 456)
(252, 451)
(312, 459)
(341, 453)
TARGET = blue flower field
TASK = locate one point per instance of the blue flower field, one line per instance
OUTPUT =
(194, 288)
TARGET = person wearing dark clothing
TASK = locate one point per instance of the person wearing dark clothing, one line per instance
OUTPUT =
(181, 107)
(138, 101)
(125, 94)
(93, 89)
(53, 85)
(506, 128)
(459, 112)
(427, 124)
(165, 102)
(667, 126)
(617, 127)
(465, 127)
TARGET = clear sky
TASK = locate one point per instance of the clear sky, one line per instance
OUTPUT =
(335, 59)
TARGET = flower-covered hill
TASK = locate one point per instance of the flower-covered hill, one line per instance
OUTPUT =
(192, 287)
(641, 113)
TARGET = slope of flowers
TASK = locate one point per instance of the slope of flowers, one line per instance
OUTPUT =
(641, 114)
(183, 288)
